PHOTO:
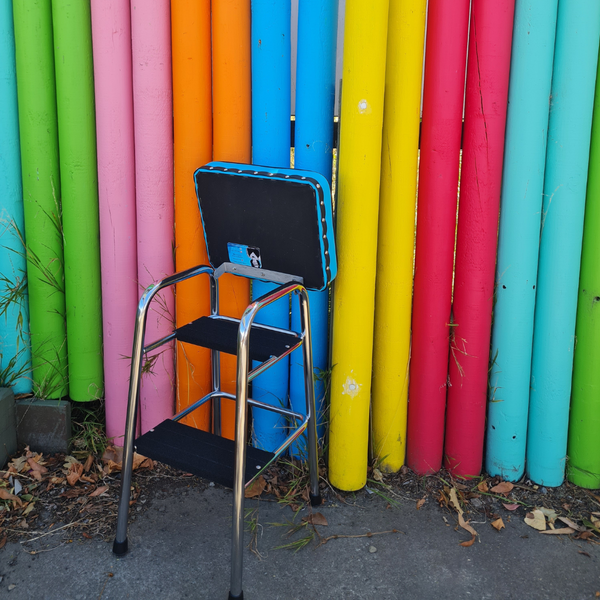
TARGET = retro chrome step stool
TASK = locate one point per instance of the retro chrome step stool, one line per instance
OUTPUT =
(270, 224)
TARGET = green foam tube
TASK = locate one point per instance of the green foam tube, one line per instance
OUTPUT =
(583, 467)
(41, 195)
(77, 144)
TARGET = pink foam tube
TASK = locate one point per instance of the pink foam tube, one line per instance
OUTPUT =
(153, 128)
(445, 63)
(483, 150)
(111, 35)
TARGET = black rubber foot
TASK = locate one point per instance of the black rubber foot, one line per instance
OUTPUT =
(120, 548)
(316, 500)
(240, 597)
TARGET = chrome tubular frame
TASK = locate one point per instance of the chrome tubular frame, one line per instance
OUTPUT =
(120, 544)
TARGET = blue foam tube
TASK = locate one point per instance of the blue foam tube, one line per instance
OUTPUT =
(518, 241)
(569, 131)
(15, 353)
(271, 89)
(315, 97)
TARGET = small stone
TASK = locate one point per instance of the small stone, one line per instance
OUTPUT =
(11, 587)
(543, 490)
(372, 549)
(211, 484)
(476, 502)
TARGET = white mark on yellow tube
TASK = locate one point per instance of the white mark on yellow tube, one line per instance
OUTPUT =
(351, 387)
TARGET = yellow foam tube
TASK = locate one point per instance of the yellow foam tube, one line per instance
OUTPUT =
(395, 252)
(357, 220)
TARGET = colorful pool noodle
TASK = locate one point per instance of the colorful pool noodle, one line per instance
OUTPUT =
(583, 467)
(79, 178)
(567, 159)
(315, 98)
(232, 118)
(519, 235)
(153, 135)
(192, 129)
(445, 64)
(111, 38)
(15, 353)
(488, 68)
(271, 89)
(41, 196)
(395, 251)
(357, 217)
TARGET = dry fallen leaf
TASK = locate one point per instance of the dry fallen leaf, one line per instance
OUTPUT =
(562, 531)
(510, 506)
(316, 519)
(6, 495)
(584, 535)
(18, 464)
(99, 490)
(498, 524)
(377, 476)
(454, 501)
(88, 463)
(255, 488)
(421, 502)
(572, 525)
(468, 543)
(550, 514)
(483, 487)
(75, 472)
(503, 487)
(465, 525)
(536, 519)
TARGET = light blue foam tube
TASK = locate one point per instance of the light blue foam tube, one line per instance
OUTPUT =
(15, 353)
(518, 242)
(271, 89)
(569, 131)
(315, 97)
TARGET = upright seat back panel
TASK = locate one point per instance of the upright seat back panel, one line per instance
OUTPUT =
(274, 219)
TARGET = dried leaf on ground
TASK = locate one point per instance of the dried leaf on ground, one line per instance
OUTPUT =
(421, 502)
(549, 513)
(483, 487)
(571, 524)
(6, 495)
(498, 524)
(18, 464)
(468, 542)
(377, 476)
(255, 488)
(536, 519)
(316, 519)
(3, 541)
(561, 531)
(75, 472)
(510, 506)
(454, 501)
(465, 525)
(88, 463)
(99, 490)
(503, 487)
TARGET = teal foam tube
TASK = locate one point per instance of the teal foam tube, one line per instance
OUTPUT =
(79, 177)
(271, 90)
(569, 131)
(41, 195)
(315, 97)
(518, 242)
(15, 353)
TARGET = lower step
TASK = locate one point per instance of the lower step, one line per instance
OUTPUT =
(198, 452)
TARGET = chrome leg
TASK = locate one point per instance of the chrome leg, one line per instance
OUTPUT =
(243, 366)
(309, 391)
(120, 543)
(215, 357)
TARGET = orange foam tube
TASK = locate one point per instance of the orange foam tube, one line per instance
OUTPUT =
(192, 111)
(232, 141)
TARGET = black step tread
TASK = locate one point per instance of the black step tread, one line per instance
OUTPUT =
(198, 452)
(221, 334)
